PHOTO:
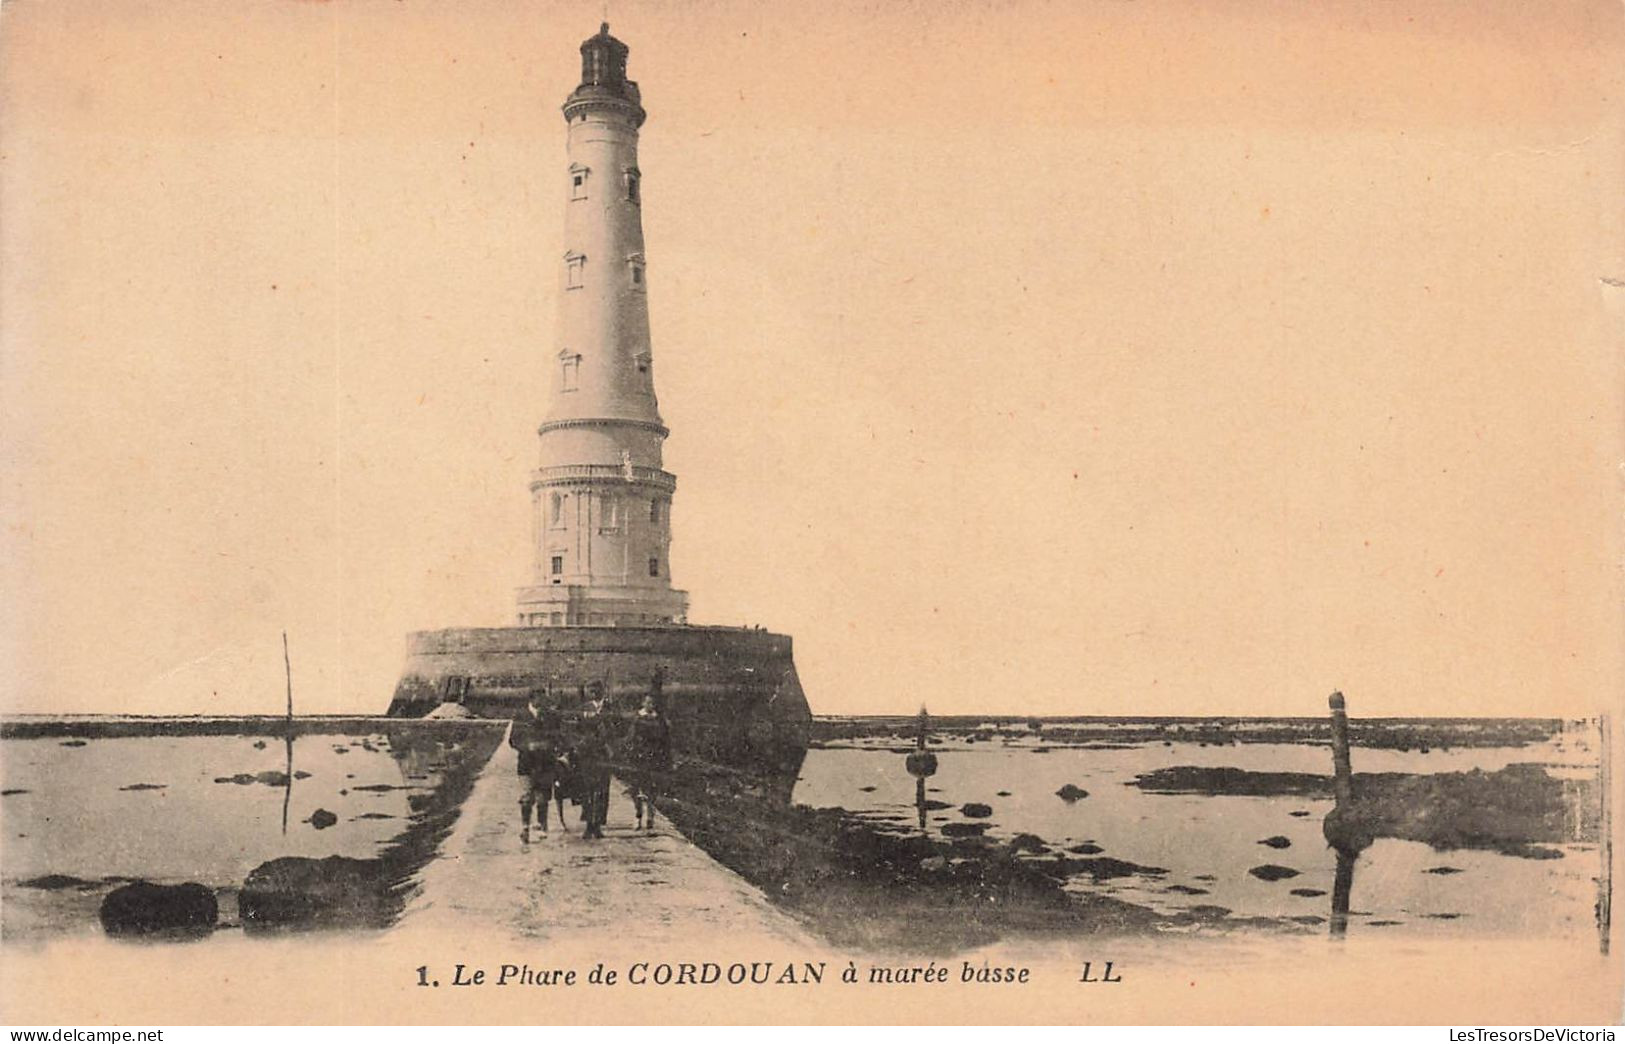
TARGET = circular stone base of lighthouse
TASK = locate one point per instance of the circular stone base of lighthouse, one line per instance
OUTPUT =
(729, 691)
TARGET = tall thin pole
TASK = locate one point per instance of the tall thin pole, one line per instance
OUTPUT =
(1343, 827)
(1342, 770)
(1342, 889)
(287, 735)
(287, 666)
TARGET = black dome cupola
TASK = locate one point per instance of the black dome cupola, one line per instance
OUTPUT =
(603, 79)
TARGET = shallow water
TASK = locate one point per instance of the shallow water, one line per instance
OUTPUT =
(70, 811)
(1208, 844)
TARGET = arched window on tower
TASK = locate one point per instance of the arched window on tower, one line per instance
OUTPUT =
(555, 511)
(569, 371)
(610, 515)
(634, 193)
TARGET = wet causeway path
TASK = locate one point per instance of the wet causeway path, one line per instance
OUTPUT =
(629, 885)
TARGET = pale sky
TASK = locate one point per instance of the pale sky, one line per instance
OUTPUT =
(1059, 358)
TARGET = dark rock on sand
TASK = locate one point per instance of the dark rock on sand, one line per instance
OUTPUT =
(13, 792)
(1508, 811)
(1028, 843)
(1216, 781)
(145, 786)
(1277, 842)
(1444, 870)
(1002, 793)
(1272, 872)
(1443, 916)
(301, 774)
(379, 788)
(1103, 868)
(964, 829)
(259, 744)
(1299, 813)
(141, 908)
(975, 810)
(270, 777)
(868, 790)
(1086, 849)
(1071, 792)
(321, 819)
(1207, 911)
(375, 815)
(1308, 893)
(56, 882)
(303, 892)
(1383, 924)
(1307, 919)
(74, 743)
(936, 806)
(1532, 852)
(1180, 889)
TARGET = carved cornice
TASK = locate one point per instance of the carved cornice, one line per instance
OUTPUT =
(603, 422)
(580, 104)
(602, 475)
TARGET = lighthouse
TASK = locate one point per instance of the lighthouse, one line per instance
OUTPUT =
(600, 496)
(599, 612)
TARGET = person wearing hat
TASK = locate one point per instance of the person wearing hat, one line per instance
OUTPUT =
(648, 745)
(593, 768)
(536, 737)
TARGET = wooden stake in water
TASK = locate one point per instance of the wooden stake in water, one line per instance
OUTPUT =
(1342, 890)
(287, 735)
(287, 666)
(1342, 770)
(921, 763)
(1342, 826)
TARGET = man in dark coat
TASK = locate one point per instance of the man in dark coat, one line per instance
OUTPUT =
(648, 748)
(535, 735)
(592, 771)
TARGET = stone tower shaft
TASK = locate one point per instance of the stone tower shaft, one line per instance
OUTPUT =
(601, 498)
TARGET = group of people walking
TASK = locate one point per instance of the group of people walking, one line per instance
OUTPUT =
(571, 757)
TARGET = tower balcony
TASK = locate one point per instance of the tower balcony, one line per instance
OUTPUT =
(597, 474)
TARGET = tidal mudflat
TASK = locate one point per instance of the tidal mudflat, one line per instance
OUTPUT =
(1070, 829)
(1493, 832)
(87, 812)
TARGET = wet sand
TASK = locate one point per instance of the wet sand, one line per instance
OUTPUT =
(1039, 834)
